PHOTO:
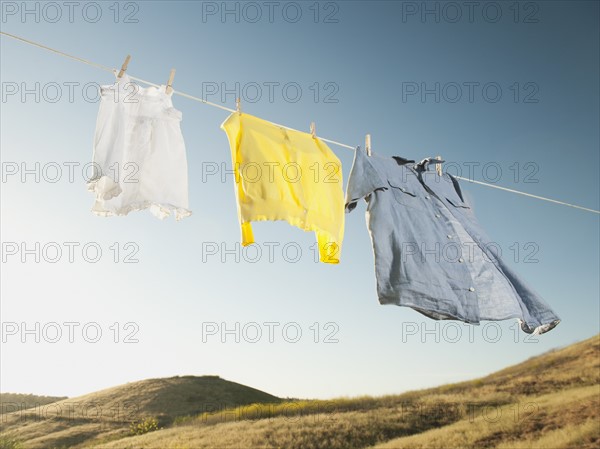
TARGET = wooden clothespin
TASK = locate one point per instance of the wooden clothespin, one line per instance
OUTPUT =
(124, 66)
(368, 144)
(169, 87)
(238, 106)
(313, 129)
(438, 167)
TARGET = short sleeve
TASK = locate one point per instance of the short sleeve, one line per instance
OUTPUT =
(364, 179)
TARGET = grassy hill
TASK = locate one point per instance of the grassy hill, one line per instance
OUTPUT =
(548, 402)
(108, 414)
(11, 402)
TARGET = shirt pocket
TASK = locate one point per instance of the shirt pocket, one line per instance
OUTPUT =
(405, 194)
(461, 207)
(457, 203)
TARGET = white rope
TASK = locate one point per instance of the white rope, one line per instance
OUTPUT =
(108, 69)
(85, 61)
(528, 194)
(343, 145)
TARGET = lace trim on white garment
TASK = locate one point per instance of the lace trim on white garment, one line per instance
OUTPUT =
(105, 189)
(159, 210)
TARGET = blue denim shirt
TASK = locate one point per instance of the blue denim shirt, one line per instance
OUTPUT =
(430, 252)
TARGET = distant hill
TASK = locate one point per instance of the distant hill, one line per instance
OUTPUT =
(547, 402)
(72, 421)
(171, 397)
(10, 402)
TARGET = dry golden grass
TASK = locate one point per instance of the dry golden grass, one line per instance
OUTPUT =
(520, 424)
(11, 402)
(107, 414)
(548, 402)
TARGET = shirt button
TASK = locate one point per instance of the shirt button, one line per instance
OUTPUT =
(403, 189)
(426, 197)
(461, 260)
(471, 289)
(437, 215)
(449, 236)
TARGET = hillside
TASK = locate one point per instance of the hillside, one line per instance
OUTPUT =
(548, 402)
(108, 413)
(11, 402)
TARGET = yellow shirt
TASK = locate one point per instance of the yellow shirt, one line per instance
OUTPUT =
(282, 174)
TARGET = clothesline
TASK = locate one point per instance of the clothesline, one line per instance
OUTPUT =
(135, 78)
(527, 194)
(333, 142)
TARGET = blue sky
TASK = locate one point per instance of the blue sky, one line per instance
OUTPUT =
(530, 124)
